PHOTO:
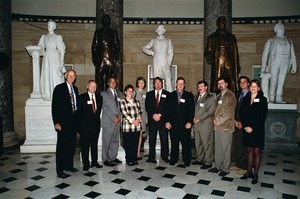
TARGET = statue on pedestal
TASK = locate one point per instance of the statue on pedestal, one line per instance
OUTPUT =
(53, 68)
(278, 59)
(105, 52)
(221, 53)
(161, 49)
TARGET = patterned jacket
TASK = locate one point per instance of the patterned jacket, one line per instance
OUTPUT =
(130, 112)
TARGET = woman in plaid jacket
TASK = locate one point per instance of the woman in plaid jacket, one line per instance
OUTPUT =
(131, 124)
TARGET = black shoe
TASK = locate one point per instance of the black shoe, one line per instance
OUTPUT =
(172, 163)
(151, 161)
(254, 180)
(187, 164)
(135, 163)
(139, 158)
(166, 160)
(130, 163)
(72, 170)
(246, 176)
(117, 161)
(223, 173)
(61, 175)
(97, 165)
(85, 168)
(198, 163)
(206, 166)
(213, 170)
(107, 163)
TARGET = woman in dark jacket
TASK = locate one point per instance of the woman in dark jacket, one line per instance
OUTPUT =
(253, 114)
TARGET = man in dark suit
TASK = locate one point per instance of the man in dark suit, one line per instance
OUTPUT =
(180, 109)
(64, 108)
(88, 114)
(155, 107)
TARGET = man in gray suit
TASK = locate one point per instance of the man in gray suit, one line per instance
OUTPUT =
(111, 118)
(203, 127)
(224, 127)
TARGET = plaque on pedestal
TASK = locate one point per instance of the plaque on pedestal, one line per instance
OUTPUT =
(281, 127)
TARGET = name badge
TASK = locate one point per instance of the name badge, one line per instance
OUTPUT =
(182, 100)
(144, 96)
(89, 102)
(256, 100)
(220, 102)
(163, 95)
(201, 105)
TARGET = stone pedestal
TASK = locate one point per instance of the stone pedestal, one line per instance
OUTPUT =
(281, 125)
(40, 134)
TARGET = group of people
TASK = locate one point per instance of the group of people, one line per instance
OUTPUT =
(219, 123)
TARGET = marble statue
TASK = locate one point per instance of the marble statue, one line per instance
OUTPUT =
(278, 59)
(221, 54)
(53, 68)
(105, 52)
(161, 49)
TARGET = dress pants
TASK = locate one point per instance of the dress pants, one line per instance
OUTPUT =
(130, 143)
(89, 140)
(183, 136)
(223, 142)
(163, 135)
(110, 142)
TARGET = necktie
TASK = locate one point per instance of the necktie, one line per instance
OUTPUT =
(72, 98)
(179, 98)
(93, 104)
(116, 97)
(241, 97)
(157, 99)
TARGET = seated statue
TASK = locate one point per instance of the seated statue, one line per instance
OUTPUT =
(105, 52)
(53, 68)
(161, 49)
(278, 58)
(221, 54)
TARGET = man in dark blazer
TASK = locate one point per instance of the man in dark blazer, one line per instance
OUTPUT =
(88, 114)
(64, 110)
(155, 107)
(180, 109)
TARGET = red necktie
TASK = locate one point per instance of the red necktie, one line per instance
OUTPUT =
(157, 99)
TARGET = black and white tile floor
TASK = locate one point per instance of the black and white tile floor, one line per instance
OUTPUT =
(34, 176)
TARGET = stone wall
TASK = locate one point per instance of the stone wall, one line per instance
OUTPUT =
(188, 55)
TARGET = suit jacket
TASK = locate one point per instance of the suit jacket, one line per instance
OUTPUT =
(151, 107)
(62, 107)
(224, 112)
(205, 108)
(180, 114)
(87, 120)
(110, 108)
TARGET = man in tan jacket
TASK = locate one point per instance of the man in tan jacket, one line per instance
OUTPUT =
(224, 127)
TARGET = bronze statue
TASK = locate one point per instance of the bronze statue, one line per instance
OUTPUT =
(105, 52)
(221, 53)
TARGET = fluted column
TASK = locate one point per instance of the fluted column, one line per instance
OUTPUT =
(6, 97)
(114, 8)
(212, 10)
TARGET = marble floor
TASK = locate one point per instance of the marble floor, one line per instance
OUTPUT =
(34, 176)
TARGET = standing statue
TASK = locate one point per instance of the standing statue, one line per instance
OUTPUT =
(53, 68)
(221, 54)
(105, 52)
(161, 49)
(278, 58)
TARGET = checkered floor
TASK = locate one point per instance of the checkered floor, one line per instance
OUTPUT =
(34, 176)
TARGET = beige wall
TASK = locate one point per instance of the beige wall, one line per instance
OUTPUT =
(188, 49)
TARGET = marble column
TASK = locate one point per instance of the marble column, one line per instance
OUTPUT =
(114, 8)
(212, 10)
(6, 96)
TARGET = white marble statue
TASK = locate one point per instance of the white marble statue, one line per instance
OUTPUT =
(53, 62)
(278, 59)
(161, 49)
